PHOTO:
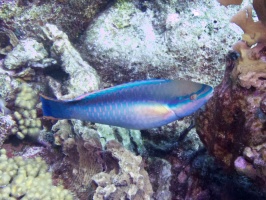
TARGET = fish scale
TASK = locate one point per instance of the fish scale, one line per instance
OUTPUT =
(137, 105)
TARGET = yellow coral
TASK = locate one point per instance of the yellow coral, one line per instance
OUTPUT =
(28, 179)
(26, 116)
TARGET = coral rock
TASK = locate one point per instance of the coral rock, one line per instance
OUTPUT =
(83, 78)
(232, 126)
(125, 44)
(27, 50)
(128, 180)
(6, 126)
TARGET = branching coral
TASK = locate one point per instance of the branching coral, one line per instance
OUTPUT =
(28, 179)
(254, 32)
(26, 115)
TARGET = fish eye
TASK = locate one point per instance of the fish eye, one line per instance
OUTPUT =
(193, 97)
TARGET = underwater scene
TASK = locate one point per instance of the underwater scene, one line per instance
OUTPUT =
(132, 100)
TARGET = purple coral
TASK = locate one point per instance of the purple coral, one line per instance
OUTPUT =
(232, 126)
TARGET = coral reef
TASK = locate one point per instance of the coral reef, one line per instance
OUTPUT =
(79, 71)
(28, 179)
(8, 41)
(7, 128)
(62, 131)
(84, 161)
(238, 138)
(160, 175)
(251, 69)
(127, 180)
(28, 50)
(26, 113)
(131, 139)
(40, 45)
(157, 43)
(80, 164)
(65, 129)
(75, 163)
(3, 109)
(27, 17)
(8, 86)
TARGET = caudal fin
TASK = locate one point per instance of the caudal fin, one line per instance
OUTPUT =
(53, 108)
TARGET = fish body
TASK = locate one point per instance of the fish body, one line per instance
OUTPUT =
(137, 105)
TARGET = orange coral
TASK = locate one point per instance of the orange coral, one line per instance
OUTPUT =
(230, 2)
(254, 32)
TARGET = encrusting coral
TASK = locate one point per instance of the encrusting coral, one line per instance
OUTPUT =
(28, 179)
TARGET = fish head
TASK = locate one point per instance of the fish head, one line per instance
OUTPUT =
(190, 102)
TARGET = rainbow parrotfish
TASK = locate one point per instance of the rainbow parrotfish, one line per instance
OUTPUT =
(137, 105)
